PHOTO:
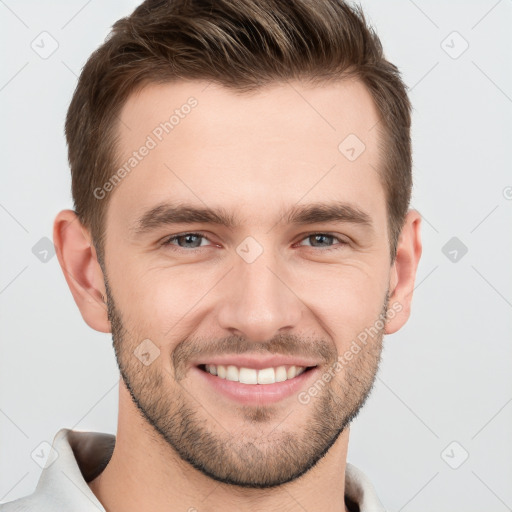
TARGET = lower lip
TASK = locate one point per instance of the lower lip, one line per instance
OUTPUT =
(257, 394)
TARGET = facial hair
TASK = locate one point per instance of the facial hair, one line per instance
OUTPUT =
(247, 458)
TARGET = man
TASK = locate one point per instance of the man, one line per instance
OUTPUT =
(241, 175)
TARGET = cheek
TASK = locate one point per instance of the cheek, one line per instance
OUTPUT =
(164, 303)
(345, 300)
(161, 303)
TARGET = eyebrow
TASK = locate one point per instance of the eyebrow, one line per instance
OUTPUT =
(167, 214)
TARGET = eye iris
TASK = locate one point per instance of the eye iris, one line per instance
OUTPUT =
(188, 238)
(317, 237)
(195, 240)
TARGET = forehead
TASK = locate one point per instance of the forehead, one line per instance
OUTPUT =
(278, 145)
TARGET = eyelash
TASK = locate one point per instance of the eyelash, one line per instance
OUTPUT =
(168, 241)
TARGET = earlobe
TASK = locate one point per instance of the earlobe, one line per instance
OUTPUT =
(79, 263)
(403, 272)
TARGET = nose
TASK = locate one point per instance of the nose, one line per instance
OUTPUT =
(259, 301)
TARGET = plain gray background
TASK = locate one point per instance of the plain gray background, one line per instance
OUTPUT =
(444, 391)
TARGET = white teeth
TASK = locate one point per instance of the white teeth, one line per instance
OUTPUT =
(252, 376)
(266, 376)
(292, 372)
(281, 375)
(232, 373)
(248, 376)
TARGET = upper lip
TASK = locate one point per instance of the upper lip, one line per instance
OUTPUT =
(258, 363)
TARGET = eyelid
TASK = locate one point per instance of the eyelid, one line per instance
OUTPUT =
(341, 240)
(167, 240)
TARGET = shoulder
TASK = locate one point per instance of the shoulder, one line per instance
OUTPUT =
(75, 458)
(31, 503)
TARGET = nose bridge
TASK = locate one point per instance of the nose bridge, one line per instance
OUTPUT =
(258, 302)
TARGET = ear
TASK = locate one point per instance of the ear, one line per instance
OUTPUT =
(78, 260)
(403, 272)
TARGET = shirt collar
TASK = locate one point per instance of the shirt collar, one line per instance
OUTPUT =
(78, 457)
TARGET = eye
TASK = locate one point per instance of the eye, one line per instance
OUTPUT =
(188, 241)
(319, 240)
(185, 241)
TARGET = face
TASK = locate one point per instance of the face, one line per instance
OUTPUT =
(244, 242)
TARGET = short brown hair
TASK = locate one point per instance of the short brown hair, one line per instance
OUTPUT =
(243, 45)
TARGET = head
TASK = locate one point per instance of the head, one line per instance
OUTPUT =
(274, 138)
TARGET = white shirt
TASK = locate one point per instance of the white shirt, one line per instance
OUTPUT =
(78, 457)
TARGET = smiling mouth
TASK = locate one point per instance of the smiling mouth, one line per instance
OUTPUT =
(263, 376)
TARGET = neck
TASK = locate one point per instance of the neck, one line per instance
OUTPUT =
(145, 473)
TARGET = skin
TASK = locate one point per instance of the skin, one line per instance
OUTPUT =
(180, 444)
